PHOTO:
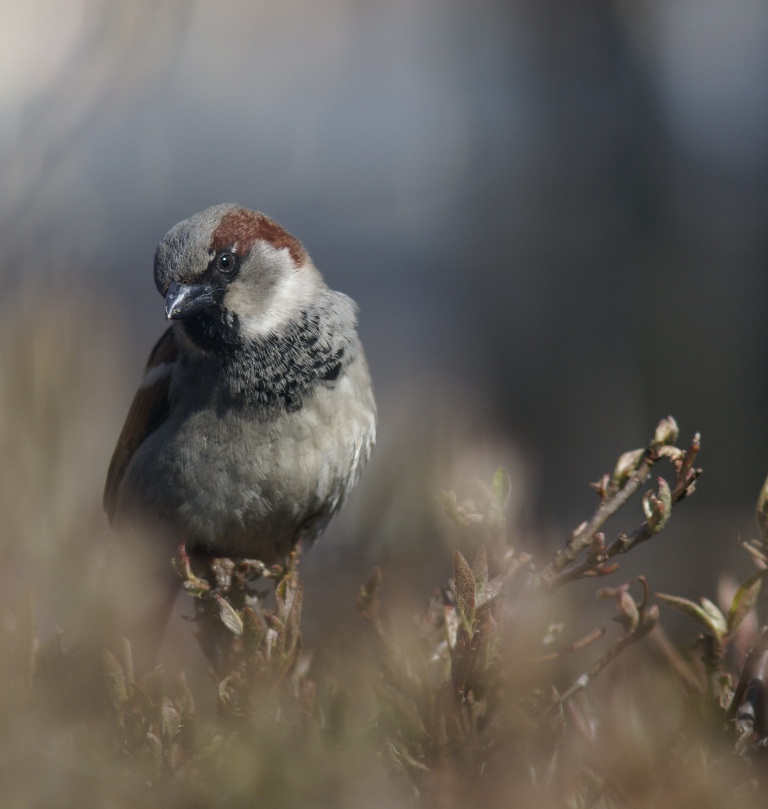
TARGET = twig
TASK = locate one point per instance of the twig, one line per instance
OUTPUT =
(584, 679)
(638, 619)
(582, 537)
(675, 660)
(594, 636)
(587, 537)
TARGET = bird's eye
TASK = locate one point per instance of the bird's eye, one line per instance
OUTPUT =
(226, 262)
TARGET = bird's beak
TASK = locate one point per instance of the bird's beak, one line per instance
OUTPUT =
(183, 300)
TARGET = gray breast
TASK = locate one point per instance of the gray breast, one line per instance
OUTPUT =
(248, 480)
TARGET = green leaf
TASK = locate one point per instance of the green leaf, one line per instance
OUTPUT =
(502, 486)
(667, 432)
(491, 591)
(170, 721)
(368, 601)
(553, 633)
(404, 761)
(464, 583)
(152, 685)
(401, 712)
(194, 585)
(153, 747)
(715, 615)
(126, 658)
(229, 616)
(756, 550)
(692, 610)
(745, 598)
(463, 659)
(480, 569)
(275, 647)
(196, 588)
(114, 679)
(254, 630)
(626, 465)
(658, 506)
(451, 508)
(184, 699)
(229, 694)
(490, 639)
(281, 594)
(665, 497)
(762, 511)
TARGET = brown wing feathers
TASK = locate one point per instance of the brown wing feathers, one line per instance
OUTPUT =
(148, 410)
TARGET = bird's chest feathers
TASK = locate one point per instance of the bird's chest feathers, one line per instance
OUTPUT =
(274, 373)
(226, 475)
(268, 430)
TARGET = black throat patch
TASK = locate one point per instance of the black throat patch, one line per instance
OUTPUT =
(277, 370)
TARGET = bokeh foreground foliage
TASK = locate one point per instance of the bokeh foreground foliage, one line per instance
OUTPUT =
(493, 695)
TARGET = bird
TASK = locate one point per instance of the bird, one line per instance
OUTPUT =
(256, 413)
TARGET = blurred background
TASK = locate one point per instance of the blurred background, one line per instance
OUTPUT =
(552, 215)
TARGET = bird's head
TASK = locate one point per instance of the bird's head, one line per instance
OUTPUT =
(231, 274)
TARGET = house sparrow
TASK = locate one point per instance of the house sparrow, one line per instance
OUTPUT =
(256, 415)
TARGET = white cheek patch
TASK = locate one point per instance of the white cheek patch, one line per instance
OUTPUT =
(292, 293)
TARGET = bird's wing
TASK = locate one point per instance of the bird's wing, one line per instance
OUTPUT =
(149, 409)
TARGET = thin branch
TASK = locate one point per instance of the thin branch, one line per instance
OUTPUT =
(594, 636)
(584, 679)
(675, 660)
(644, 618)
(582, 537)
(586, 537)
